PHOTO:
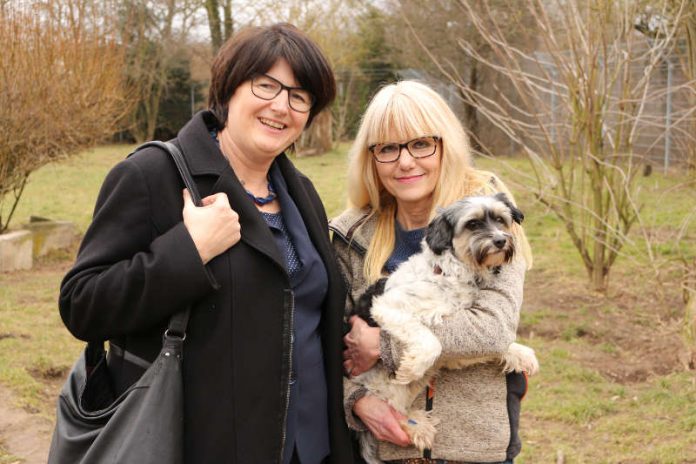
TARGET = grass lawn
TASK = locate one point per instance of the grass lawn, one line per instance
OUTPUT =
(612, 388)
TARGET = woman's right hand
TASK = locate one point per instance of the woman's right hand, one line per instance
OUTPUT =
(383, 421)
(362, 347)
(214, 226)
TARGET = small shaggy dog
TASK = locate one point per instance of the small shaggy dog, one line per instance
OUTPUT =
(465, 245)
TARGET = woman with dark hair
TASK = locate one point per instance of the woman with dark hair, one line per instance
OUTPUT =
(262, 367)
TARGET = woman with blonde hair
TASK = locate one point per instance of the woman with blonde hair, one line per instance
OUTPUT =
(411, 156)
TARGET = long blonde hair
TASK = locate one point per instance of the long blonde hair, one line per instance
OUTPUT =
(409, 109)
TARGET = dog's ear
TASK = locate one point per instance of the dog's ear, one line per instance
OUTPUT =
(363, 306)
(517, 215)
(439, 234)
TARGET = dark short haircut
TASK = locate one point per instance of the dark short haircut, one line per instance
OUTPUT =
(254, 50)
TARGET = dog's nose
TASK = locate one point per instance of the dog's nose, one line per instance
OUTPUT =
(499, 242)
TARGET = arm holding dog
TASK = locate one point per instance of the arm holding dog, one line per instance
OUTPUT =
(489, 323)
(363, 412)
(487, 328)
(352, 392)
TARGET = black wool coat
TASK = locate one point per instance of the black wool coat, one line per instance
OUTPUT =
(138, 265)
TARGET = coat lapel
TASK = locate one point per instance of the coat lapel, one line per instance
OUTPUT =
(318, 230)
(205, 159)
(255, 231)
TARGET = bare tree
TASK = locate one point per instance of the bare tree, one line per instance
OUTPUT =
(437, 26)
(330, 23)
(154, 33)
(220, 29)
(583, 99)
(59, 91)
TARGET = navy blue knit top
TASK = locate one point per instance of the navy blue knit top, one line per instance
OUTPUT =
(408, 242)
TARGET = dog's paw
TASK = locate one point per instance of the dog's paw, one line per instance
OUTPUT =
(403, 377)
(420, 427)
(520, 358)
(408, 372)
(413, 367)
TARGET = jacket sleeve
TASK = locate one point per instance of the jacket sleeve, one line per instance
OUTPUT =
(342, 252)
(487, 328)
(129, 277)
(352, 391)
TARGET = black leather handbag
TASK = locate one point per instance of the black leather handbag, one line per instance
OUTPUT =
(144, 425)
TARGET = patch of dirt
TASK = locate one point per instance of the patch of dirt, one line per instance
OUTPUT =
(39, 270)
(633, 331)
(51, 373)
(15, 424)
(24, 433)
(13, 335)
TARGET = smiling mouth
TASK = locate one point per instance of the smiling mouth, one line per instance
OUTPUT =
(409, 178)
(273, 124)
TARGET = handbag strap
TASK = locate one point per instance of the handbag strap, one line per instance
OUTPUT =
(176, 329)
(181, 166)
(179, 321)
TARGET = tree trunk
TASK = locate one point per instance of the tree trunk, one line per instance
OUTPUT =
(153, 113)
(318, 139)
(599, 274)
(599, 278)
(691, 73)
(470, 111)
(229, 24)
(211, 7)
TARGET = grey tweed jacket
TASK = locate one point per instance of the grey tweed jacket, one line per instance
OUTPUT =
(477, 422)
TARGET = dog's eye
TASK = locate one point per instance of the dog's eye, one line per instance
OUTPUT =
(499, 219)
(473, 224)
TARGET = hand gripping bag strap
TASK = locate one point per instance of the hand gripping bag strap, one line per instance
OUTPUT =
(145, 423)
(179, 321)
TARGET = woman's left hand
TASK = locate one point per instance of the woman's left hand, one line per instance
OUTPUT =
(362, 347)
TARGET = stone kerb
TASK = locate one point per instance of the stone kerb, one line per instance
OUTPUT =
(50, 235)
(16, 251)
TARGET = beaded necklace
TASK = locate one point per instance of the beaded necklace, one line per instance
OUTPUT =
(263, 200)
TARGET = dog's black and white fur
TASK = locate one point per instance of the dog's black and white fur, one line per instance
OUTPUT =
(464, 245)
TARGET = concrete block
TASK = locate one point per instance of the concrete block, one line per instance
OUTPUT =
(16, 251)
(51, 235)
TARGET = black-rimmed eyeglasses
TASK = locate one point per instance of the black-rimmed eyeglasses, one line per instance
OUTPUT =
(267, 88)
(422, 147)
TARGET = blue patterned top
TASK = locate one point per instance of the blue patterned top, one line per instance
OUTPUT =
(280, 232)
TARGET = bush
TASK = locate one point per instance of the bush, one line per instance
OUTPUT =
(60, 91)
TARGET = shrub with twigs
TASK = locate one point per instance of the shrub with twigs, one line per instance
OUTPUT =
(586, 82)
(61, 89)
